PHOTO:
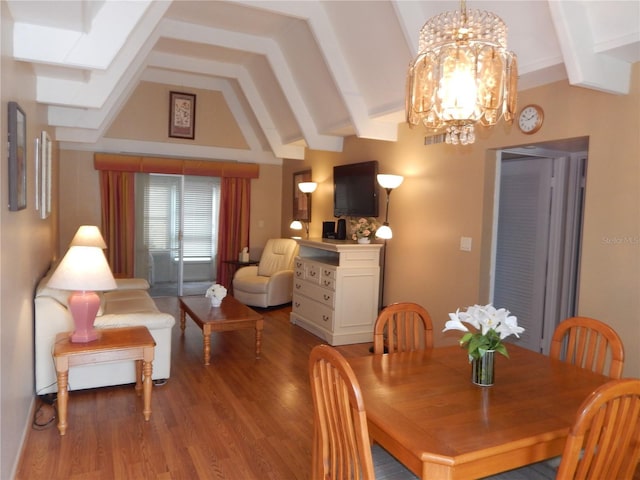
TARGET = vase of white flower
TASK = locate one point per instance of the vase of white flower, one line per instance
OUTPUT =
(483, 370)
(492, 326)
(216, 294)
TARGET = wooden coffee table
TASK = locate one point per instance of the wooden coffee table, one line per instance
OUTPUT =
(231, 315)
(112, 344)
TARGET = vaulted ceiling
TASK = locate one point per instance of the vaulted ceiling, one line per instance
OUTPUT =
(294, 73)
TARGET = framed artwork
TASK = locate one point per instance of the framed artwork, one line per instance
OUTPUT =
(17, 157)
(182, 115)
(43, 174)
(301, 201)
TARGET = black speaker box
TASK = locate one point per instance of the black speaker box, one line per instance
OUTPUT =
(341, 234)
(328, 229)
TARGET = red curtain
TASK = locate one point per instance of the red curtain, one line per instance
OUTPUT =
(118, 220)
(234, 223)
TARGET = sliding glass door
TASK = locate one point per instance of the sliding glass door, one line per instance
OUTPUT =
(177, 232)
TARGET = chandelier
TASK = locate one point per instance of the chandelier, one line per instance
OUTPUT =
(463, 74)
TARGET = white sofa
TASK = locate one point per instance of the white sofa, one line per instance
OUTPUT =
(129, 305)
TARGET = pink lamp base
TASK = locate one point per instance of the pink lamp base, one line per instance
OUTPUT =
(84, 307)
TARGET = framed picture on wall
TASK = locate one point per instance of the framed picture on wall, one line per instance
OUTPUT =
(182, 115)
(43, 174)
(301, 201)
(17, 157)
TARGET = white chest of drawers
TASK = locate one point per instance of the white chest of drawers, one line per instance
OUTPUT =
(335, 290)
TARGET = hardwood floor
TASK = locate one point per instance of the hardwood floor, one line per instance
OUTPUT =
(237, 419)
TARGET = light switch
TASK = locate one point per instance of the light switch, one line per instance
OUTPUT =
(465, 244)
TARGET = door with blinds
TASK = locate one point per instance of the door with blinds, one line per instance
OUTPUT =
(537, 252)
(523, 243)
(177, 232)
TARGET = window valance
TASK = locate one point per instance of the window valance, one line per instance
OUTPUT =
(177, 166)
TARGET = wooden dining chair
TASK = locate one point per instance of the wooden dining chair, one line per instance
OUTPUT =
(589, 344)
(341, 446)
(341, 449)
(402, 327)
(604, 441)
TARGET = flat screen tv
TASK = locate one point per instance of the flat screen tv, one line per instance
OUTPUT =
(355, 190)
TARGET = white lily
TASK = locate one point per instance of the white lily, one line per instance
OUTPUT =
(455, 323)
(509, 327)
(492, 326)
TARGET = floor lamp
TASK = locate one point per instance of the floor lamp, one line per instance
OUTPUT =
(388, 182)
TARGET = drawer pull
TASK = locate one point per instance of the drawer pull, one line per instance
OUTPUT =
(327, 283)
(298, 274)
(297, 304)
(298, 286)
(326, 272)
(312, 274)
(327, 297)
(325, 318)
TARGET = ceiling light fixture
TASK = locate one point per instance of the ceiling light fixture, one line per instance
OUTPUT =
(463, 74)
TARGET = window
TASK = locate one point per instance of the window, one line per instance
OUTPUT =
(198, 203)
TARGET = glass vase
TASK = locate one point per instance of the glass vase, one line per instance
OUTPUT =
(482, 369)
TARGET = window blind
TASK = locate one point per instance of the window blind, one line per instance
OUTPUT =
(200, 202)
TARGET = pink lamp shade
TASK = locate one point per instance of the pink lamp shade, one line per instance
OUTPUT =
(83, 270)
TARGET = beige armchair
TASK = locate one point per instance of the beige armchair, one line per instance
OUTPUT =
(271, 281)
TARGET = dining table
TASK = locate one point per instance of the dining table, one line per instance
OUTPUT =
(423, 408)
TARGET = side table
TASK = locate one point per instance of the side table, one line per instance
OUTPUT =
(113, 344)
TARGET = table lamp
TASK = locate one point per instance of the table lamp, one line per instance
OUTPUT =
(88, 236)
(83, 270)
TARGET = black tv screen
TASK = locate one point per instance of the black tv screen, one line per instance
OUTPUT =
(355, 190)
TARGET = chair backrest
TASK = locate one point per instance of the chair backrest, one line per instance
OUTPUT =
(402, 327)
(278, 255)
(341, 446)
(604, 441)
(590, 344)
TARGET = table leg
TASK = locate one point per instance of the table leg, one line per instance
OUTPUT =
(147, 369)
(138, 377)
(182, 319)
(206, 333)
(63, 397)
(259, 325)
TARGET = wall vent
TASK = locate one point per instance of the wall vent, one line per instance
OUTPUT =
(433, 139)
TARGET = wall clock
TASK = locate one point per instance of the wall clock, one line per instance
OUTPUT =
(530, 119)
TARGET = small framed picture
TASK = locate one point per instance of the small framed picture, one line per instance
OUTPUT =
(182, 115)
(17, 157)
(301, 201)
(43, 174)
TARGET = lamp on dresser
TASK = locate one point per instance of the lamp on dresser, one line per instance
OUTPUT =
(299, 225)
(83, 270)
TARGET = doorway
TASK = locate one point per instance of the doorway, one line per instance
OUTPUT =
(176, 232)
(536, 248)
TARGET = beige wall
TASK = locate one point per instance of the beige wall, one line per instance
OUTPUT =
(26, 248)
(145, 117)
(444, 197)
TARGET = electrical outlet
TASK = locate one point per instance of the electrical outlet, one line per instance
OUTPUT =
(465, 244)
